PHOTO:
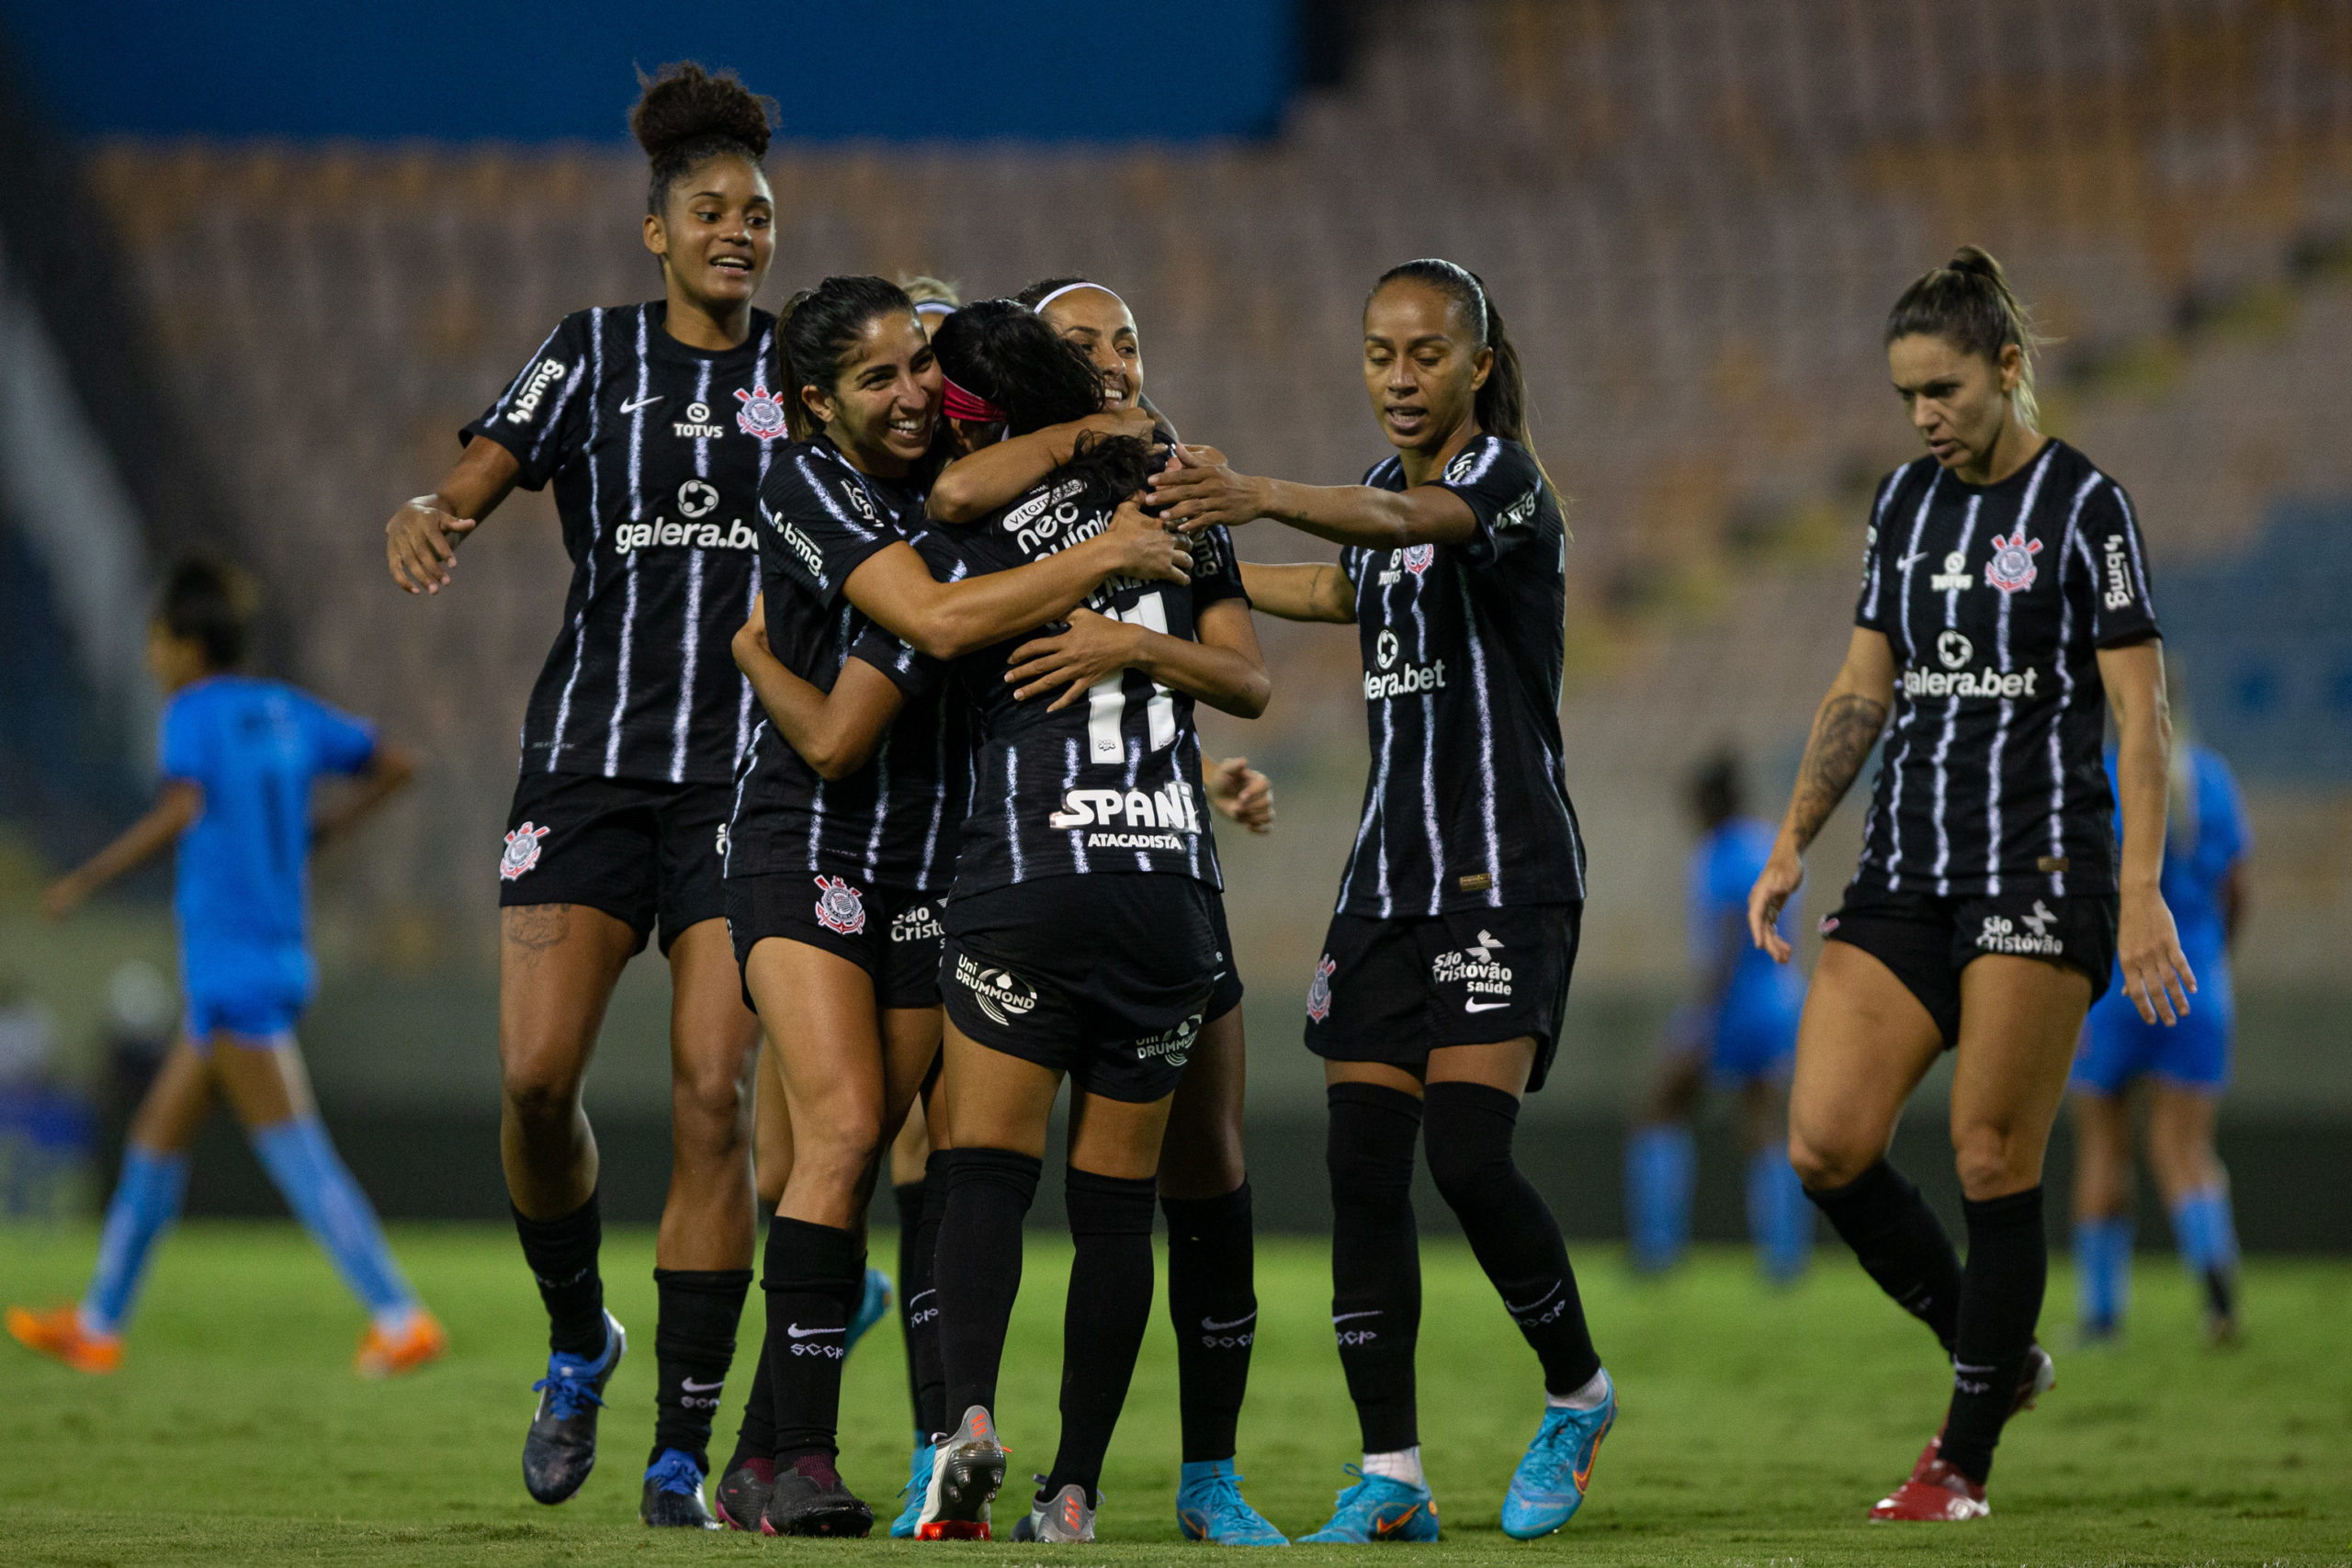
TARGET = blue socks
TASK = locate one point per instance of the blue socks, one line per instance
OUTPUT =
(146, 1200)
(2102, 1272)
(2205, 1234)
(1779, 1217)
(303, 1163)
(1661, 1163)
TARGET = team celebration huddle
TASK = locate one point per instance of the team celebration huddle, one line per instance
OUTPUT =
(874, 701)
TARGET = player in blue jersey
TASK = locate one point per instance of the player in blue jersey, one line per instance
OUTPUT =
(1741, 1031)
(239, 756)
(2187, 1066)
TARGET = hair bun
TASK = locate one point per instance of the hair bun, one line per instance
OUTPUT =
(1975, 262)
(683, 103)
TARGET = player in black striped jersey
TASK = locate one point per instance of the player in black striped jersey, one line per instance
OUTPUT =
(1079, 940)
(842, 840)
(656, 424)
(1438, 993)
(2004, 611)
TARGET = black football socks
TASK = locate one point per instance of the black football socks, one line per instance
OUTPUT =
(2000, 1301)
(1511, 1231)
(693, 1344)
(815, 1274)
(977, 1273)
(1376, 1257)
(1213, 1300)
(1104, 1319)
(906, 1197)
(755, 1439)
(919, 1303)
(1900, 1244)
(562, 1256)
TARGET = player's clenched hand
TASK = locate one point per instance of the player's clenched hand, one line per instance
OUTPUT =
(420, 544)
(1147, 549)
(1783, 875)
(1241, 791)
(1094, 646)
(1196, 494)
(2156, 976)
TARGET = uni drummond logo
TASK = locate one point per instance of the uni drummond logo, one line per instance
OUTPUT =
(999, 993)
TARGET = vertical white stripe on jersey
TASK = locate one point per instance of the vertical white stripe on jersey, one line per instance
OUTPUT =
(1135, 771)
(690, 634)
(1011, 816)
(595, 531)
(2008, 705)
(636, 515)
(2065, 686)
(752, 594)
(1430, 828)
(2132, 546)
(1874, 571)
(745, 766)
(1485, 747)
(938, 787)
(881, 765)
(1908, 651)
(1951, 713)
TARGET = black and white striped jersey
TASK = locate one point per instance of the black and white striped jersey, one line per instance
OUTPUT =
(1468, 804)
(657, 451)
(1996, 600)
(893, 822)
(1111, 784)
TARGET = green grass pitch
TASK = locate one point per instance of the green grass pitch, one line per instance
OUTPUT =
(1758, 1426)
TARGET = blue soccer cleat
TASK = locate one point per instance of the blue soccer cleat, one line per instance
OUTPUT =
(918, 1487)
(1209, 1506)
(1376, 1508)
(561, 1447)
(872, 1308)
(673, 1497)
(1550, 1484)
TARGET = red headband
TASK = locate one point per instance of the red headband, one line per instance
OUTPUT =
(968, 406)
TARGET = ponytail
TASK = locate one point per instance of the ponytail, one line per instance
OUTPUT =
(1968, 302)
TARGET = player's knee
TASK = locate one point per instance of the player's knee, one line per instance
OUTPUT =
(1821, 1164)
(710, 1103)
(1993, 1161)
(538, 1093)
(838, 1154)
(1205, 1162)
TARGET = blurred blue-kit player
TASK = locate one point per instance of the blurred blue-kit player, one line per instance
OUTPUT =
(1739, 1033)
(240, 757)
(2185, 1065)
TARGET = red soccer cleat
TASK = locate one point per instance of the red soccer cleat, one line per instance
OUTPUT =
(1935, 1493)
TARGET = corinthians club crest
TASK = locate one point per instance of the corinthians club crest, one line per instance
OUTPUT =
(521, 851)
(762, 415)
(839, 907)
(1417, 557)
(1319, 990)
(2011, 570)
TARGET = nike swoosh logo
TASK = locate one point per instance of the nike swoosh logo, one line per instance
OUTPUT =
(693, 1387)
(1344, 1317)
(639, 403)
(800, 1333)
(1390, 1527)
(1214, 1327)
(1531, 1306)
(1914, 558)
(1483, 1007)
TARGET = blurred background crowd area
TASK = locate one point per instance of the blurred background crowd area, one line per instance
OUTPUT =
(1692, 213)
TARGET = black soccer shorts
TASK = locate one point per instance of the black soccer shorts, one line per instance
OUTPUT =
(1224, 995)
(892, 933)
(1926, 941)
(1105, 976)
(642, 850)
(1394, 990)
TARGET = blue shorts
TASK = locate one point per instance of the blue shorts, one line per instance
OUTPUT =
(1753, 1046)
(256, 995)
(2117, 1047)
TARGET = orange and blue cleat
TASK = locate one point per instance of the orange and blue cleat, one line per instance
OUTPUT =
(388, 1355)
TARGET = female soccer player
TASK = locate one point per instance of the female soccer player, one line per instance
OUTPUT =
(2187, 1067)
(239, 756)
(2004, 595)
(1438, 995)
(656, 423)
(846, 981)
(1079, 937)
(1740, 1030)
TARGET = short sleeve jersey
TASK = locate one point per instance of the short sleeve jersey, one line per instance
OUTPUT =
(1996, 600)
(254, 747)
(893, 822)
(656, 451)
(2209, 834)
(1111, 784)
(1468, 803)
(1724, 867)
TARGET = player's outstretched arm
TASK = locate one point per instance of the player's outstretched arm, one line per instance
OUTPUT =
(421, 541)
(1300, 591)
(2156, 976)
(947, 620)
(1224, 669)
(835, 732)
(1239, 792)
(978, 482)
(1196, 494)
(389, 771)
(181, 803)
(1844, 730)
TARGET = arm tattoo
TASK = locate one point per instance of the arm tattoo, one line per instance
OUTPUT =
(1843, 733)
